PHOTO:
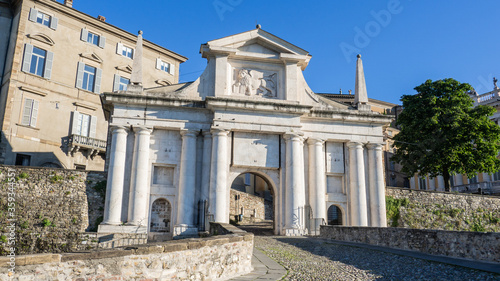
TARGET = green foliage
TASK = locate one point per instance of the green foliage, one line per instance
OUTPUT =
(100, 187)
(24, 225)
(443, 134)
(23, 175)
(3, 239)
(392, 209)
(46, 222)
(55, 178)
(71, 177)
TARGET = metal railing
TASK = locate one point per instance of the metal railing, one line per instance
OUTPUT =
(489, 187)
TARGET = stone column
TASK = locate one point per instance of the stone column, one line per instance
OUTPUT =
(295, 186)
(377, 185)
(138, 207)
(116, 174)
(218, 175)
(357, 189)
(186, 206)
(317, 181)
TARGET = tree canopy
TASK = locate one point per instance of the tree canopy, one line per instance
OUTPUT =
(442, 133)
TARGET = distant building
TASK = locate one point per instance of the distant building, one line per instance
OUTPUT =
(54, 63)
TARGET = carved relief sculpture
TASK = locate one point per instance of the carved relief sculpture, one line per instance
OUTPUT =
(254, 83)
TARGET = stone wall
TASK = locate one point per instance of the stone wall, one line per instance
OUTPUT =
(53, 208)
(421, 209)
(213, 258)
(461, 244)
(253, 206)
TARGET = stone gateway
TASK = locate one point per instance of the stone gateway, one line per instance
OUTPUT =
(176, 150)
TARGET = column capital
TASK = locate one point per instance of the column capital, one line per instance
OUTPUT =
(206, 133)
(354, 145)
(119, 129)
(293, 136)
(375, 146)
(219, 131)
(315, 141)
(142, 129)
(189, 133)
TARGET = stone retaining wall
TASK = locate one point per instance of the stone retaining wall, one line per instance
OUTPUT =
(213, 258)
(253, 206)
(53, 207)
(446, 211)
(460, 244)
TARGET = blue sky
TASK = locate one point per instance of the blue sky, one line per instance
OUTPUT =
(402, 43)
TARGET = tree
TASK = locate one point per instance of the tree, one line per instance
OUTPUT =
(443, 134)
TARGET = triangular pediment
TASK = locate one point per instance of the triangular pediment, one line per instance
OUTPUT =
(91, 56)
(125, 68)
(258, 40)
(42, 38)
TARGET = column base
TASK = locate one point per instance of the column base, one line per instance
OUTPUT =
(185, 231)
(296, 231)
(107, 228)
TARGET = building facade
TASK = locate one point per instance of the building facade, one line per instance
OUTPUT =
(55, 62)
(250, 112)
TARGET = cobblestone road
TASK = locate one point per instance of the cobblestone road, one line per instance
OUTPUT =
(313, 259)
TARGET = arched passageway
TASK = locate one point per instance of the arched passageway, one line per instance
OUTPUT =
(161, 211)
(252, 203)
(334, 215)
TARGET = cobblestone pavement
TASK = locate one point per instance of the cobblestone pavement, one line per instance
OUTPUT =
(314, 259)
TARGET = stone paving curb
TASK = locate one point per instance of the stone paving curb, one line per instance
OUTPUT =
(264, 269)
(473, 264)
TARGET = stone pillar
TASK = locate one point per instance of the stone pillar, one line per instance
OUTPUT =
(295, 186)
(218, 175)
(116, 174)
(317, 182)
(357, 189)
(432, 184)
(440, 186)
(377, 186)
(186, 206)
(138, 207)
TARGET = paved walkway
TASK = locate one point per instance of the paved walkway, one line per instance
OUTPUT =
(307, 258)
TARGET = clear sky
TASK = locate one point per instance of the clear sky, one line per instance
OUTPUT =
(402, 43)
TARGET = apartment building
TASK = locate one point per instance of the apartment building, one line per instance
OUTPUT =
(55, 61)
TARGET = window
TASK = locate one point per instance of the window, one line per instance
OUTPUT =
(473, 179)
(88, 78)
(43, 18)
(496, 176)
(92, 38)
(30, 112)
(124, 51)
(165, 66)
(422, 183)
(23, 160)
(120, 83)
(37, 61)
(83, 125)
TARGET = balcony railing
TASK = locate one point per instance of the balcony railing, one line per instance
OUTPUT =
(95, 146)
(488, 188)
(488, 97)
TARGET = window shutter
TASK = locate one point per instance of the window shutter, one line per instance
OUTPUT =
(97, 85)
(28, 51)
(158, 63)
(53, 23)
(74, 125)
(93, 126)
(171, 69)
(27, 112)
(34, 113)
(48, 65)
(33, 14)
(119, 48)
(79, 75)
(102, 41)
(84, 35)
(116, 83)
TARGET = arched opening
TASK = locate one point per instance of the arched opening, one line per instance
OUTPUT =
(334, 215)
(161, 211)
(252, 203)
